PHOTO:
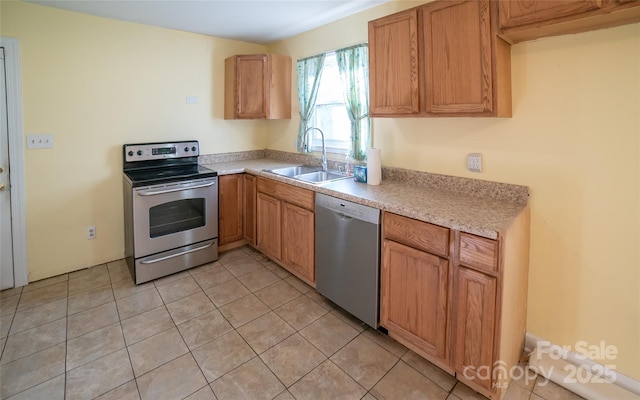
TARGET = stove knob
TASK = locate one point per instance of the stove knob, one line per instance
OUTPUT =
(193, 148)
(130, 153)
(186, 149)
(139, 152)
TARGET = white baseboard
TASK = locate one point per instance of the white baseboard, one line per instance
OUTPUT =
(585, 377)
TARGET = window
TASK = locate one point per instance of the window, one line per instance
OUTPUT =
(333, 93)
(330, 112)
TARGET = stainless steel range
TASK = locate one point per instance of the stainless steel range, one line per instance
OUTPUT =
(170, 209)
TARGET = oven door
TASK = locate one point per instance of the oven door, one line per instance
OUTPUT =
(174, 215)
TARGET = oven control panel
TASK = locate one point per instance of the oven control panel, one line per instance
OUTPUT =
(160, 151)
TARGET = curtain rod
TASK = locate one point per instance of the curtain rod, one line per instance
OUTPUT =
(333, 51)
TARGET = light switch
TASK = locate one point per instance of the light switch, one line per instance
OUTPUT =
(192, 99)
(40, 141)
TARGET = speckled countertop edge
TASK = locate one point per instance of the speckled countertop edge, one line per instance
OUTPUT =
(486, 217)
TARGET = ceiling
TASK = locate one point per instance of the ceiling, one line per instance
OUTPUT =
(254, 21)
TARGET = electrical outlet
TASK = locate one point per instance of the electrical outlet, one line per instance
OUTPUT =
(43, 141)
(474, 162)
(91, 232)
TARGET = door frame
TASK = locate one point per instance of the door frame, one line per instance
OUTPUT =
(16, 158)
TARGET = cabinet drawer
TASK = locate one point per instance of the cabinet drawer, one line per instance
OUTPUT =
(478, 252)
(417, 234)
(289, 193)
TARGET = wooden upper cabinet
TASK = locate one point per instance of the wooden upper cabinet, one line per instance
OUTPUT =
(257, 86)
(393, 65)
(524, 12)
(453, 65)
(458, 57)
(522, 20)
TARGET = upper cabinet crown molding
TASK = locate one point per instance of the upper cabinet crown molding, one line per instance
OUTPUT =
(440, 59)
(522, 20)
(257, 86)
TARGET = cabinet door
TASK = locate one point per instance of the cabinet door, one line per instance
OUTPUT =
(393, 65)
(298, 240)
(230, 208)
(268, 225)
(524, 12)
(252, 85)
(249, 208)
(413, 297)
(474, 324)
(457, 57)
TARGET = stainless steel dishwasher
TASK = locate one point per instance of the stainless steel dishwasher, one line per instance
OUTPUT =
(348, 256)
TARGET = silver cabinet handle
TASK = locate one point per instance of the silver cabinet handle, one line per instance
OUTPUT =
(155, 260)
(178, 189)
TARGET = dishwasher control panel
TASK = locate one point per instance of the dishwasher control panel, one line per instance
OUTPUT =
(348, 208)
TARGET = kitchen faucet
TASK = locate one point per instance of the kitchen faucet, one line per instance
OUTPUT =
(324, 150)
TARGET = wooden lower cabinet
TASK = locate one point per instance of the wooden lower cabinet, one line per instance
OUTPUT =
(413, 295)
(268, 225)
(463, 309)
(285, 226)
(230, 208)
(474, 313)
(249, 208)
(298, 233)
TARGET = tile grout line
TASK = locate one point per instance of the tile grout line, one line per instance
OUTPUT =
(189, 350)
(235, 329)
(255, 256)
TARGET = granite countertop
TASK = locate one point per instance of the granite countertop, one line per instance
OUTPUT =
(486, 217)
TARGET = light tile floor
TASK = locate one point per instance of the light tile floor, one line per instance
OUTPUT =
(241, 327)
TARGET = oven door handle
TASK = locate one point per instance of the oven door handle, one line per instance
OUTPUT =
(177, 189)
(155, 260)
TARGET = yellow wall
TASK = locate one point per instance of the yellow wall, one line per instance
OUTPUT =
(574, 140)
(96, 84)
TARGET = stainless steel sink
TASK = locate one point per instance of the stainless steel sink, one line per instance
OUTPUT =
(309, 174)
(293, 171)
(320, 177)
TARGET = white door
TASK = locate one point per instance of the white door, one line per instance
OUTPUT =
(6, 241)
